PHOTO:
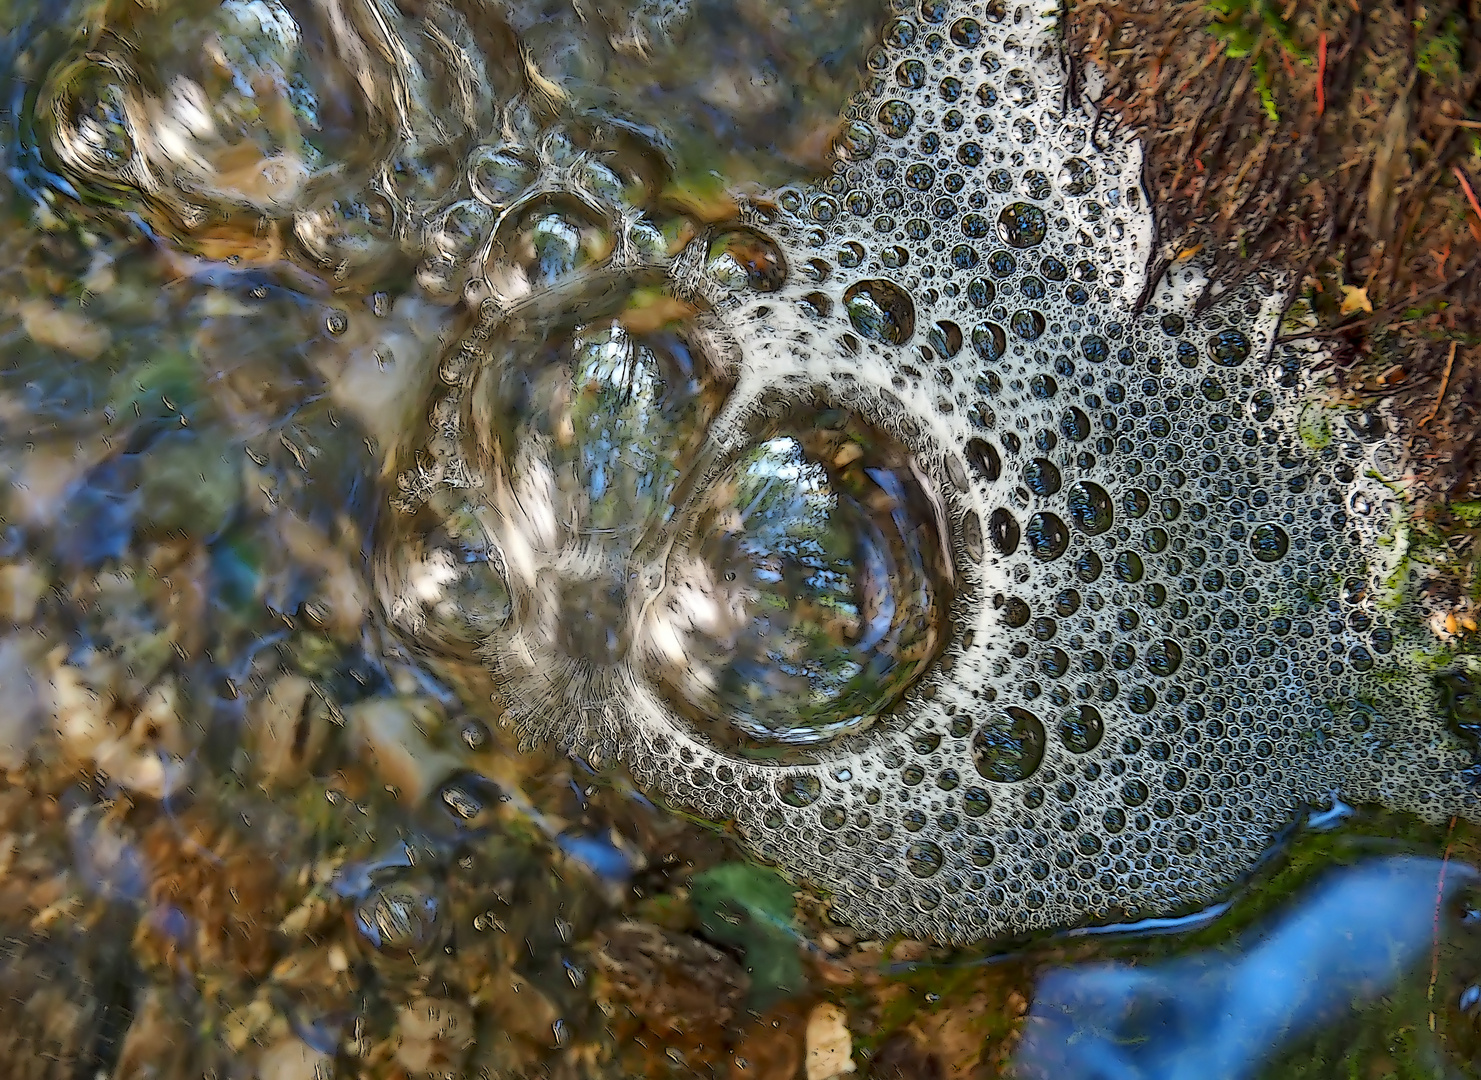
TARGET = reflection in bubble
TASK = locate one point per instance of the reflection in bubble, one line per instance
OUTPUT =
(815, 590)
(881, 311)
(1009, 747)
(241, 103)
(546, 244)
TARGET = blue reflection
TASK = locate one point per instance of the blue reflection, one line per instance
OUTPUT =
(1214, 1015)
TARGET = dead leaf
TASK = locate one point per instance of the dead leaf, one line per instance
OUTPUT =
(1355, 299)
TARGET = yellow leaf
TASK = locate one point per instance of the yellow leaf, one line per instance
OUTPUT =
(1355, 299)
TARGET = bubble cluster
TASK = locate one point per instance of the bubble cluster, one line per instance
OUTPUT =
(877, 521)
(900, 541)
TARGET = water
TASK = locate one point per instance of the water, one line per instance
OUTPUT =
(476, 480)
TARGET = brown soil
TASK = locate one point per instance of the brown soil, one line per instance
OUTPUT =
(1337, 141)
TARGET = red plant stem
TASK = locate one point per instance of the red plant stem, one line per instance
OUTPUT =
(1321, 73)
(1466, 186)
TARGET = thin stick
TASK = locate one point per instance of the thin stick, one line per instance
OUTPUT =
(1459, 123)
(1466, 186)
(1439, 902)
(1444, 385)
(1321, 73)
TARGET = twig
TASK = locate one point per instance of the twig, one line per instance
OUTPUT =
(1386, 313)
(1458, 123)
(1466, 186)
(1321, 73)
(1439, 902)
(1444, 385)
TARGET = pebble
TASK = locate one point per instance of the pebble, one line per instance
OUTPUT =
(435, 1034)
(288, 731)
(294, 1059)
(829, 1045)
(394, 735)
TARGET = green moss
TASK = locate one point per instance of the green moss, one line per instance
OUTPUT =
(751, 908)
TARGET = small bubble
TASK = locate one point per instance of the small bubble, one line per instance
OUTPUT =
(1042, 476)
(799, 790)
(881, 311)
(1009, 748)
(895, 118)
(1022, 225)
(1229, 347)
(1002, 531)
(1269, 542)
(923, 858)
(1090, 507)
(1047, 535)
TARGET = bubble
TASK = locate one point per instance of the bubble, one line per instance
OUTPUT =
(857, 141)
(983, 457)
(1076, 177)
(799, 790)
(972, 536)
(745, 259)
(1269, 542)
(1229, 347)
(469, 802)
(1164, 658)
(881, 311)
(946, 339)
(822, 549)
(458, 232)
(989, 341)
(447, 591)
(1090, 507)
(895, 118)
(924, 858)
(89, 110)
(1128, 567)
(1002, 531)
(261, 106)
(1081, 729)
(1027, 324)
(1022, 225)
(1074, 425)
(498, 175)
(1048, 536)
(1041, 476)
(402, 918)
(966, 33)
(349, 237)
(1009, 747)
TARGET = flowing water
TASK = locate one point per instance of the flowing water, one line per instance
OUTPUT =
(679, 537)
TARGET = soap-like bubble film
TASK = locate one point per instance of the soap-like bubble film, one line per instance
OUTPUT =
(898, 521)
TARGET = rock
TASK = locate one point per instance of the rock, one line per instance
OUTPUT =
(829, 1045)
(522, 1010)
(20, 704)
(435, 1035)
(294, 1059)
(289, 725)
(673, 982)
(141, 749)
(393, 734)
(22, 585)
(59, 328)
